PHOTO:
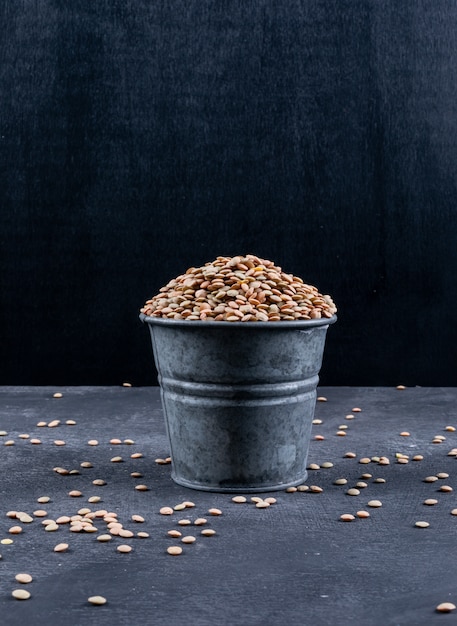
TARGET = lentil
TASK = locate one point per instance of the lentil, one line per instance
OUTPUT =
(23, 578)
(422, 524)
(445, 607)
(83, 511)
(124, 548)
(97, 600)
(208, 532)
(362, 514)
(239, 499)
(188, 539)
(374, 503)
(214, 511)
(166, 510)
(174, 550)
(21, 594)
(200, 521)
(142, 488)
(347, 517)
(61, 547)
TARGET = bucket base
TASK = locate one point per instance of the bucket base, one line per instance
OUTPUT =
(238, 488)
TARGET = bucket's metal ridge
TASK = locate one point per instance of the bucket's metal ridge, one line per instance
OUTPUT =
(238, 399)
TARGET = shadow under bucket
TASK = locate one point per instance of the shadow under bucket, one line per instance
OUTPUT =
(238, 400)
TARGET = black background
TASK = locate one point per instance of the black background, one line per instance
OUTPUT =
(140, 138)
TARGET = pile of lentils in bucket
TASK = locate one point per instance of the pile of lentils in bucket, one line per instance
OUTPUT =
(239, 289)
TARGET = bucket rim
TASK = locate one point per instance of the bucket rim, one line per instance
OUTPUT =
(282, 324)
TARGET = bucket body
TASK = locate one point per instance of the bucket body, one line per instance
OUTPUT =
(238, 400)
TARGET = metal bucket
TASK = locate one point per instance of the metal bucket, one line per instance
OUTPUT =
(238, 400)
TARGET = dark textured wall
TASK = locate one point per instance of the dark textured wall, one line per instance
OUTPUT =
(139, 138)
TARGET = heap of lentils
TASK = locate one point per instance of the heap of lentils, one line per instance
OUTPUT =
(239, 289)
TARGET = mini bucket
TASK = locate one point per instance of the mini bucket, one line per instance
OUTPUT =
(238, 399)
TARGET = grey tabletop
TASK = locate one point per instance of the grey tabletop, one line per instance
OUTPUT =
(294, 562)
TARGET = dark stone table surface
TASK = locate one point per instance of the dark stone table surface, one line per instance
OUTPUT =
(293, 563)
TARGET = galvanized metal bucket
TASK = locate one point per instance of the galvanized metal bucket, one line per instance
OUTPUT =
(238, 399)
